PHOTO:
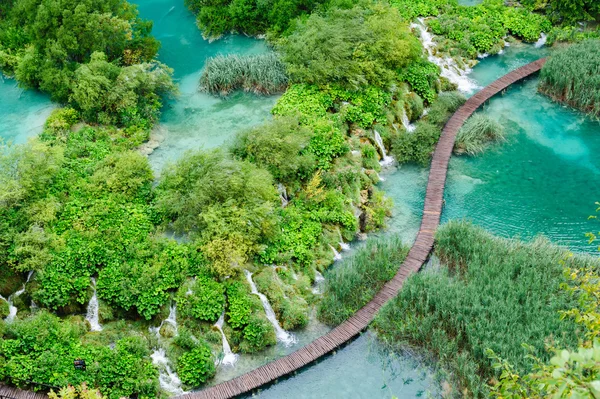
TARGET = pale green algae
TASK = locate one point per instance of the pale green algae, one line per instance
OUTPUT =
(22, 112)
(195, 119)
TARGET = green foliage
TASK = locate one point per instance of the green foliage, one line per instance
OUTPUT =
(80, 392)
(478, 131)
(261, 74)
(4, 309)
(258, 334)
(572, 76)
(422, 77)
(227, 205)
(202, 298)
(61, 119)
(493, 294)
(238, 305)
(568, 11)
(54, 46)
(307, 102)
(417, 146)
(196, 366)
(354, 47)
(351, 286)
(42, 349)
(410, 9)
(219, 17)
(414, 106)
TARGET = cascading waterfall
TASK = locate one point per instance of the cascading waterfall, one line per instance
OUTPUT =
(541, 41)
(92, 315)
(409, 127)
(229, 358)
(449, 69)
(12, 309)
(168, 379)
(319, 279)
(336, 255)
(285, 337)
(343, 245)
(283, 195)
(385, 160)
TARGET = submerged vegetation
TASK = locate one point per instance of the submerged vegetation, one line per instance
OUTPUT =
(572, 76)
(494, 294)
(261, 74)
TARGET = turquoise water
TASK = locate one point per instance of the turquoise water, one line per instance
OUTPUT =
(364, 369)
(22, 112)
(195, 119)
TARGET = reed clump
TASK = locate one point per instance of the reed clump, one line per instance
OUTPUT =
(354, 283)
(261, 74)
(572, 76)
(477, 133)
(491, 293)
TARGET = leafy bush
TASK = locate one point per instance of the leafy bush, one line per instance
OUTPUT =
(352, 285)
(478, 130)
(572, 76)
(203, 298)
(354, 47)
(196, 366)
(307, 102)
(261, 74)
(414, 106)
(493, 294)
(422, 77)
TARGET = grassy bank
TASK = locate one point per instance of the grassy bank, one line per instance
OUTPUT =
(494, 294)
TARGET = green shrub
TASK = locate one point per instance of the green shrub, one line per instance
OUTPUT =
(352, 285)
(202, 298)
(414, 106)
(422, 77)
(493, 294)
(62, 119)
(444, 106)
(261, 74)
(4, 309)
(476, 133)
(307, 102)
(417, 146)
(258, 334)
(196, 366)
(572, 75)
(238, 305)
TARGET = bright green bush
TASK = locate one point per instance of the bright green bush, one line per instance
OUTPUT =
(422, 77)
(354, 48)
(307, 102)
(258, 334)
(414, 106)
(4, 309)
(478, 131)
(238, 305)
(416, 146)
(202, 298)
(352, 285)
(62, 119)
(261, 74)
(493, 294)
(572, 76)
(196, 366)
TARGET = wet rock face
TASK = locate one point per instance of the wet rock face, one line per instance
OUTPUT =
(167, 330)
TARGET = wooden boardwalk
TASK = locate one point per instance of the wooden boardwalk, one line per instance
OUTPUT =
(416, 257)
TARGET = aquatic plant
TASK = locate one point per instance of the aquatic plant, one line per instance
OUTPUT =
(260, 74)
(353, 284)
(491, 293)
(477, 132)
(572, 75)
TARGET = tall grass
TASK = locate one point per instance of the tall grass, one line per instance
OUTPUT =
(355, 282)
(572, 76)
(261, 74)
(494, 293)
(476, 133)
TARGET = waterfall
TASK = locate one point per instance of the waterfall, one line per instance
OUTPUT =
(343, 245)
(168, 379)
(449, 69)
(229, 357)
(282, 335)
(12, 309)
(385, 160)
(336, 254)
(318, 282)
(541, 41)
(409, 127)
(92, 310)
(283, 195)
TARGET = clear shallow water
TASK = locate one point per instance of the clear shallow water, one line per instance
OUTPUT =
(364, 369)
(195, 119)
(22, 112)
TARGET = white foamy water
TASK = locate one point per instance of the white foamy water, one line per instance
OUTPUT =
(409, 127)
(283, 336)
(336, 255)
(12, 309)
(168, 379)
(385, 159)
(92, 315)
(319, 279)
(343, 245)
(282, 195)
(449, 69)
(229, 358)
(541, 41)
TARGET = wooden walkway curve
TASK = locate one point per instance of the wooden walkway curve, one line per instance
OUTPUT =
(416, 257)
